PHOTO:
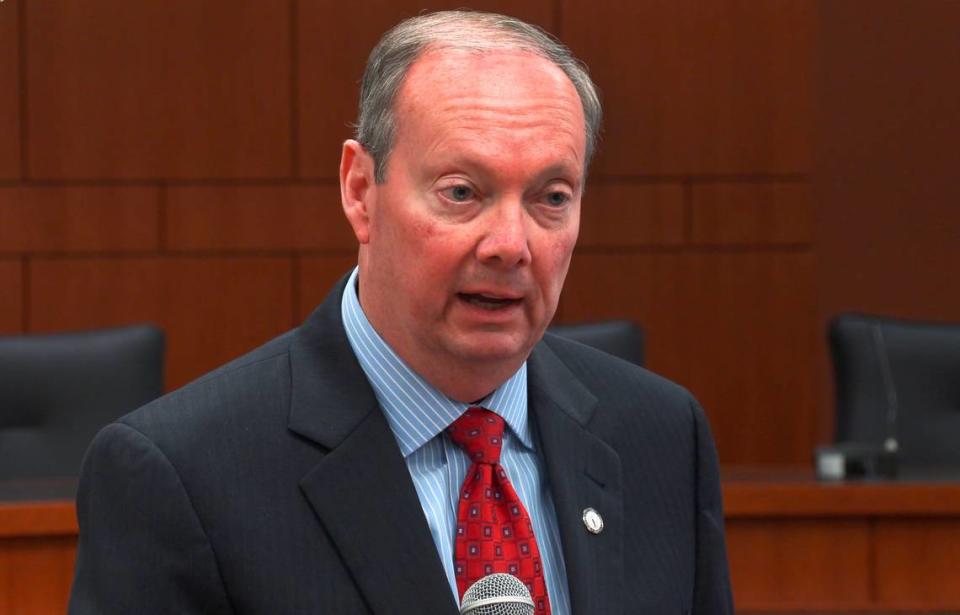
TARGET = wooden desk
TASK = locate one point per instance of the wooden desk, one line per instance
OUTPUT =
(796, 544)
(38, 544)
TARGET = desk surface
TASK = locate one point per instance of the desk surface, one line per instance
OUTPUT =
(38, 508)
(794, 492)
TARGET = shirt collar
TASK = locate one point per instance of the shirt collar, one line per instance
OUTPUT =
(415, 410)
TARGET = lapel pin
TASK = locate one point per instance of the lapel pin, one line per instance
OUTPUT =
(592, 521)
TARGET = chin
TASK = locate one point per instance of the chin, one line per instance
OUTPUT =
(495, 347)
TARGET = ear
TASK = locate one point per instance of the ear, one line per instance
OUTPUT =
(357, 187)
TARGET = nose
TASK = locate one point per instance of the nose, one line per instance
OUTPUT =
(505, 242)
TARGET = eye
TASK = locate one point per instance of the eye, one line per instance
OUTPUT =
(461, 193)
(557, 198)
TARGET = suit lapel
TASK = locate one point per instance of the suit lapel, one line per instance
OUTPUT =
(361, 491)
(584, 472)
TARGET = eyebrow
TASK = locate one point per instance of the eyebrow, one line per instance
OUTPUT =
(566, 170)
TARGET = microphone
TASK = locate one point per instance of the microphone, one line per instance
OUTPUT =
(497, 594)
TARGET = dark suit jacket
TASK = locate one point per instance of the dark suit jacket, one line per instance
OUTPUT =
(274, 485)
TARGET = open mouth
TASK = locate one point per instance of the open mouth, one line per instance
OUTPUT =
(487, 302)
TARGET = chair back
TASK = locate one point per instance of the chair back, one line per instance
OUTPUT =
(901, 379)
(620, 338)
(58, 390)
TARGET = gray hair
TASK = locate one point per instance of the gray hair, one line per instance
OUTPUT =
(404, 43)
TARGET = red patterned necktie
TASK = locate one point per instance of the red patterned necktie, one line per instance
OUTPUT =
(494, 533)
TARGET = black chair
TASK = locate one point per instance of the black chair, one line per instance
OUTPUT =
(899, 380)
(58, 390)
(620, 338)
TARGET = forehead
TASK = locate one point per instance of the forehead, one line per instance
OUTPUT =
(511, 91)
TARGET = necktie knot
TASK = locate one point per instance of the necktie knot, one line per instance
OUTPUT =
(479, 432)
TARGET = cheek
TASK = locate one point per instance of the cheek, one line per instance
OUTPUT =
(552, 267)
(561, 251)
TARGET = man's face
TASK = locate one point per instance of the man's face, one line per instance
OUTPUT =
(465, 246)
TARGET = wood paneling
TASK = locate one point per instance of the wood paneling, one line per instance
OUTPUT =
(9, 90)
(738, 329)
(159, 89)
(917, 562)
(799, 563)
(318, 274)
(752, 214)
(335, 40)
(632, 215)
(100, 219)
(11, 296)
(257, 218)
(888, 129)
(699, 87)
(211, 309)
(36, 574)
(801, 545)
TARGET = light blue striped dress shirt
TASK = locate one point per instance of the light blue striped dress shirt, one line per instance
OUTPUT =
(418, 414)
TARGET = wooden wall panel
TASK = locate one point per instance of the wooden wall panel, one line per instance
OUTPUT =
(799, 562)
(36, 574)
(752, 214)
(212, 309)
(9, 90)
(917, 562)
(699, 87)
(257, 218)
(738, 329)
(625, 215)
(159, 89)
(318, 274)
(888, 129)
(334, 42)
(79, 219)
(11, 296)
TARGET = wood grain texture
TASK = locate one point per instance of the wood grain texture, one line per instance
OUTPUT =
(10, 90)
(159, 89)
(699, 87)
(917, 563)
(739, 329)
(212, 309)
(623, 215)
(318, 274)
(257, 218)
(79, 219)
(36, 574)
(798, 564)
(752, 214)
(334, 42)
(11, 297)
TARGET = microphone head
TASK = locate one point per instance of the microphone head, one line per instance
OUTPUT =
(497, 594)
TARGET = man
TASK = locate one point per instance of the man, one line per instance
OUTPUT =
(322, 473)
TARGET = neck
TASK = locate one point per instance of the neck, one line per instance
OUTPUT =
(465, 385)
